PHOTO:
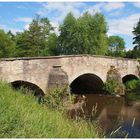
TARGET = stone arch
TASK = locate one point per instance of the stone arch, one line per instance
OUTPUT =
(129, 77)
(86, 83)
(29, 85)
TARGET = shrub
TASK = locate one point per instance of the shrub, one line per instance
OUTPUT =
(110, 86)
(56, 97)
(133, 86)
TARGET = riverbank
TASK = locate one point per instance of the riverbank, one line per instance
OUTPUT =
(22, 117)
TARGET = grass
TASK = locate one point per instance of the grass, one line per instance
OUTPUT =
(22, 117)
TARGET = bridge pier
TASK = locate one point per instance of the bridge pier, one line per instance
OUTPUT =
(57, 78)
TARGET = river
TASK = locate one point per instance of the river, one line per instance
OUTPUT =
(117, 116)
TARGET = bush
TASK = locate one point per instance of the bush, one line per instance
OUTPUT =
(110, 87)
(56, 97)
(133, 86)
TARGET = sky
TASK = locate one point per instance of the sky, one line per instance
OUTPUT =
(121, 17)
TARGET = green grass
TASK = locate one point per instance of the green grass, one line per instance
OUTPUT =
(22, 117)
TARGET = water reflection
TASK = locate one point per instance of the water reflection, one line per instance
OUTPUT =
(114, 113)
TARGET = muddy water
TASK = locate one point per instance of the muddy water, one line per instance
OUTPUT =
(112, 113)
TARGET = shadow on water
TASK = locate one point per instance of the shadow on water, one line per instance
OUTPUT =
(116, 116)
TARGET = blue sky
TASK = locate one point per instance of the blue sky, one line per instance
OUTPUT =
(121, 17)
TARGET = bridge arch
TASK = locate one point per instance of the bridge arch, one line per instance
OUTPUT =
(86, 83)
(29, 85)
(129, 77)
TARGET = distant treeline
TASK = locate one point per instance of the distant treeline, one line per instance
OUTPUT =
(84, 35)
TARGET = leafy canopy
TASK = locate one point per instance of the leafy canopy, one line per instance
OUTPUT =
(7, 46)
(116, 46)
(85, 35)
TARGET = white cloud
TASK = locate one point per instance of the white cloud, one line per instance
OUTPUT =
(23, 19)
(106, 7)
(124, 25)
(60, 10)
(96, 8)
(26, 27)
(116, 13)
(113, 6)
(137, 4)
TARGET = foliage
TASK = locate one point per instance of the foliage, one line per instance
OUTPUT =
(32, 42)
(56, 98)
(116, 46)
(85, 35)
(110, 86)
(136, 32)
(51, 45)
(135, 52)
(11, 35)
(66, 43)
(22, 117)
(7, 46)
(133, 86)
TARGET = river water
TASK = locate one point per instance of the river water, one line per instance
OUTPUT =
(117, 116)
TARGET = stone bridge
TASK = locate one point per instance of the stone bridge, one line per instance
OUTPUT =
(81, 70)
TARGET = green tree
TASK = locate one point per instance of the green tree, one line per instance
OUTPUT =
(51, 48)
(85, 35)
(136, 32)
(23, 46)
(66, 44)
(11, 35)
(7, 46)
(135, 53)
(116, 46)
(33, 42)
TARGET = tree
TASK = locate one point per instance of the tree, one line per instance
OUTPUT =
(85, 35)
(51, 48)
(136, 33)
(135, 52)
(7, 46)
(116, 46)
(66, 44)
(11, 35)
(23, 46)
(99, 35)
(32, 42)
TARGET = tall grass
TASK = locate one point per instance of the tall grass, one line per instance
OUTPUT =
(22, 117)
